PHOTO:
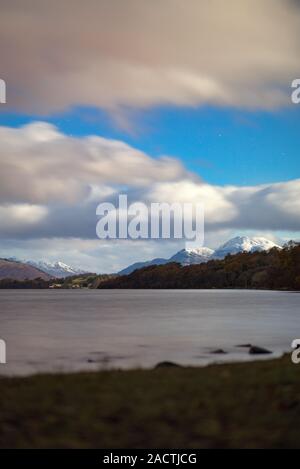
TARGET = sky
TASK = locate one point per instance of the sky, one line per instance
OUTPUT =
(163, 102)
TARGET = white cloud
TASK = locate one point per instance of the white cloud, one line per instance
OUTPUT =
(141, 53)
(39, 164)
(28, 216)
(50, 185)
(218, 207)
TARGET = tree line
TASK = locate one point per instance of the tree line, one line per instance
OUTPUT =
(275, 269)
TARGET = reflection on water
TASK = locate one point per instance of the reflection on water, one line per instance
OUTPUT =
(64, 330)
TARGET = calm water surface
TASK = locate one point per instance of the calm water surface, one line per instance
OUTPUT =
(64, 330)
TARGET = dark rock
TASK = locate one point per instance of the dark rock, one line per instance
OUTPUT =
(218, 350)
(89, 360)
(244, 345)
(254, 350)
(166, 364)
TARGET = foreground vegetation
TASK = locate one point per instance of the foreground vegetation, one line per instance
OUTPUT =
(274, 270)
(238, 405)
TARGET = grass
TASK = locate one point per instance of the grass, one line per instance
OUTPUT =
(222, 406)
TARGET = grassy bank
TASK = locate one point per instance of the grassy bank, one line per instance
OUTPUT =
(239, 405)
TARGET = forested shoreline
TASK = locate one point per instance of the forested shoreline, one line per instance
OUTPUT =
(275, 270)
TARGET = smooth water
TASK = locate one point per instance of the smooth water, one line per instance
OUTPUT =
(65, 330)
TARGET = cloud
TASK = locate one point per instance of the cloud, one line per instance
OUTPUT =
(39, 164)
(51, 184)
(141, 53)
(218, 207)
(263, 207)
(15, 215)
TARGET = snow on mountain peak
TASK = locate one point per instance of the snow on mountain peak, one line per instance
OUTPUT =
(204, 254)
(192, 256)
(245, 244)
(203, 251)
(56, 269)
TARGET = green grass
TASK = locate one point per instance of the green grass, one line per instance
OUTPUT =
(229, 406)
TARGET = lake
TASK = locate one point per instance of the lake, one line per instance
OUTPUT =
(68, 330)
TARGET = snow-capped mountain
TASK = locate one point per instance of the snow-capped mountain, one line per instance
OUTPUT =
(56, 269)
(204, 254)
(244, 244)
(184, 257)
(192, 256)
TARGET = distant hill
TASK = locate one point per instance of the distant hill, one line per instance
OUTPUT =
(273, 269)
(204, 254)
(15, 270)
(140, 265)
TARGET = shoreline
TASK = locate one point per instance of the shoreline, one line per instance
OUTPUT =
(177, 407)
(217, 361)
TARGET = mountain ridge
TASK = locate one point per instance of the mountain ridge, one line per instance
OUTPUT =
(57, 269)
(17, 270)
(274, 269)
(203, 254)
